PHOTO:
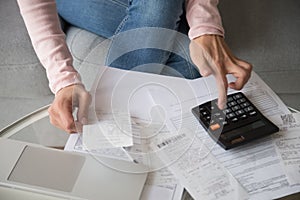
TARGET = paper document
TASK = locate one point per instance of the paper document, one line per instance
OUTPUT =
(153, 192)
(111, 130)
(288, 147)
(74, 143)
(287, 121)
(287, 144)
(256, 166)
(198, 171)
(160, 183)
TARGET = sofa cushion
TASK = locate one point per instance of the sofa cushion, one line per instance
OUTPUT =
(81, 43)
(23, 83)
(21, 74)
(266, 33)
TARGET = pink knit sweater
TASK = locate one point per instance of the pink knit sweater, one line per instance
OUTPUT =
(48, 40)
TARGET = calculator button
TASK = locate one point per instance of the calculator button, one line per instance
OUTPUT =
(224, 123)
(201, 108)
(242, 100)
(231, 104)
(212, 108)
(253, 113)
(237, 107)
(230, 115)
(207, 118)
(227, 110)
(214, 127)
(245, 104)
(237, 96)
(204, 113)
(229, 99)
(239, 112)
(234, 119)
(213, 121)
(244, 116)
(217, 114)
(221, 119)
(248, 109)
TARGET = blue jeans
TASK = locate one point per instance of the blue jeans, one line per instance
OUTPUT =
(129, 23)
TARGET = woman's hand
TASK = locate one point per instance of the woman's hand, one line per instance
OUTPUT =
(60, 112)
(213, 57)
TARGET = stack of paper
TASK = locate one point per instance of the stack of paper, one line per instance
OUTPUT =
(165, 136)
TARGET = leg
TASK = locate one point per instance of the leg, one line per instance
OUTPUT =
(125, 52)
(101, 17)
(178, 65)
(112, 17)
(136, 44)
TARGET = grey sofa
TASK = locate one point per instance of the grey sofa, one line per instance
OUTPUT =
(265, 33)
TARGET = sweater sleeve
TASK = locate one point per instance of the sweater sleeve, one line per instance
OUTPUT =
(203, 17)
(48, 40)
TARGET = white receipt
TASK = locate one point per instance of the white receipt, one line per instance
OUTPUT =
(287, 144)
(74, 143)
(109, 132)
(198, 170)
(287, 121)
(288, 147)
(161, 183)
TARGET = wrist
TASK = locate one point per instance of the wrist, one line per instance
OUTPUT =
(69, 87)
(208, 37)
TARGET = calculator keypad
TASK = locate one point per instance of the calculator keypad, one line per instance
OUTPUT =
(239, 111)
(238, 123)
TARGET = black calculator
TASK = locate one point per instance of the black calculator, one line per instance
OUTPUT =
(239, 123)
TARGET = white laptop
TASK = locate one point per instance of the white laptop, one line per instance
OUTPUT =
(68, 175)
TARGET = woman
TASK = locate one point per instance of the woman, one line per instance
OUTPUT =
(111, 17)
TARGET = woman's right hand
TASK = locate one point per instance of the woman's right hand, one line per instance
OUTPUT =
(212, 56)
(60, 112)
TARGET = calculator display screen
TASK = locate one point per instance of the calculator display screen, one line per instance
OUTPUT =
(249, 127)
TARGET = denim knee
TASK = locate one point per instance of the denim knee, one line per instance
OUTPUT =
(154, 13)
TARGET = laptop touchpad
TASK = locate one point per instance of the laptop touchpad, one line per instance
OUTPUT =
(46, 168)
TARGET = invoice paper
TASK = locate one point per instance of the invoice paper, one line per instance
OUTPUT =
(255, 165)
(288, 147)
(287, 144)
(160, 183)
(198, 170)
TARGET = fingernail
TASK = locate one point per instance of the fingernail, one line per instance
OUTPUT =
(221, 105)
(204, 72)
(83, 121)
